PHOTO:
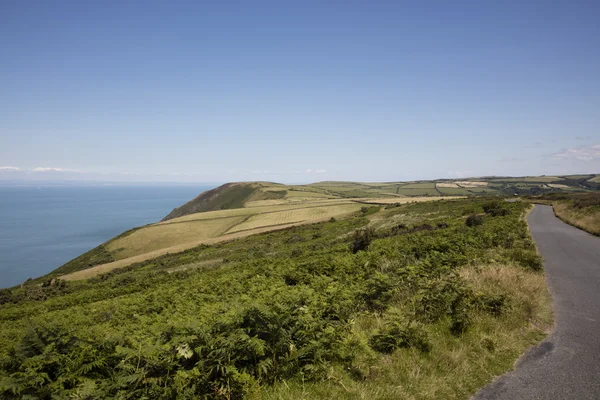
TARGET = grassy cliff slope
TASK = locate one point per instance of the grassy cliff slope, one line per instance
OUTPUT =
(225, 197)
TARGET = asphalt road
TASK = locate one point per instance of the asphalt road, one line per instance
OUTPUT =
(567, 364)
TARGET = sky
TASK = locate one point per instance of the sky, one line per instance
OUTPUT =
(304, 91)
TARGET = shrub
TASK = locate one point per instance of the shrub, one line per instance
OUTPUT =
(474, 220)
(398, 334)
(588, 200)
(493, 304)
(527, 258)
(5, 296)
(398, 229)
(362, 239)
(495, 208)
(378, 291)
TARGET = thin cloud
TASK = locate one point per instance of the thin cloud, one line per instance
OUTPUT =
(320, 171)
(581, 153)
(461, 174)
(583, 137)
(10, 169)
(49, 169)
(510, 159)
(308, 171)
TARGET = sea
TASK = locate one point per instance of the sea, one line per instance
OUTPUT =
(44, 226)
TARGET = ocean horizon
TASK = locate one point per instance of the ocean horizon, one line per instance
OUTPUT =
(44, 225)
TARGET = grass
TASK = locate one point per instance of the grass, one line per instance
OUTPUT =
(581, 210)
(587, 218)
(596, 179)
(453, 191)
(159, 236)
(228, 196)
(302, 215)
(446, 185)
(418, 192)
(538, 179)
(293, 194)
(404, 200)
(423, 185)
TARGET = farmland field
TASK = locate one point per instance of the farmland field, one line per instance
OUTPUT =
(404, 200)
(471, 184)
(447, 185)
(418, 192)
(155, 237)
(538, 179)
(426, 185)
(306, 215)
(453, 191)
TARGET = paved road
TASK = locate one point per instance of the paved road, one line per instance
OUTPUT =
(567, 364)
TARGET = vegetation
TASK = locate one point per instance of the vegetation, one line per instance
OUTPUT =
(578, 209)
(426, 307)
(228, 196)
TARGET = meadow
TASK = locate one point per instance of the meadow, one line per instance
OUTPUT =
(406, 300)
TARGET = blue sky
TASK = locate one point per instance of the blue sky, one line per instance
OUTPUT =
(298, 91)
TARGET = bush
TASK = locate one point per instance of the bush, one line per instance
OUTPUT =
(362, 239)
(5, 296)
(474, 220)
(527, 258)
(495, 208)
(398, 334)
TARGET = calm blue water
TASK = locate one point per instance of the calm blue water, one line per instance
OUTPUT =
(42, 228)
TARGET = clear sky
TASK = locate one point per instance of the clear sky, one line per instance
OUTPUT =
(297, 91)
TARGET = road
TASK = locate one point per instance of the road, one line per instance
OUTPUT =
(567, 364)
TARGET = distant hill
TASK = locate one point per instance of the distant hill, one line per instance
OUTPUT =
(237, 195)
(236, 210)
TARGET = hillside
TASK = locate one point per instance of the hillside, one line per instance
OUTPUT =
(412, 300)
(225, 197)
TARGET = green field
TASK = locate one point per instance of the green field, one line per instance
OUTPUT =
(418, 192)
(426, 185)
(454, 191)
